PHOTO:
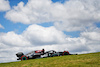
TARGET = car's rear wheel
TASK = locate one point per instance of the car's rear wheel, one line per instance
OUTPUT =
(65, 53)
(24, 57)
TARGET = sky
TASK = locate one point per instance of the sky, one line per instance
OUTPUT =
(27, 25)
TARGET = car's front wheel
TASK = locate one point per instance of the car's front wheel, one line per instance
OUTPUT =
(24, 57)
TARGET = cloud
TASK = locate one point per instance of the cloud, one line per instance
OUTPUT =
(72, 15)
(79, 15)
(39, 35)
(36, 37)
(1, 26)
(13, 39)
(4, 5)
(91, 35)
(35, 11)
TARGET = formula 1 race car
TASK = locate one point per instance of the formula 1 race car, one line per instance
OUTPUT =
(40, 54)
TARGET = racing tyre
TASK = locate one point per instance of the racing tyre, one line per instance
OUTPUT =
(65, 53)
(24, 57)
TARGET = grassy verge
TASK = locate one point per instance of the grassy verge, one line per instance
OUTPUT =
(83, 60)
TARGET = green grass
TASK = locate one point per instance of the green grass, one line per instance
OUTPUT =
(82, 60)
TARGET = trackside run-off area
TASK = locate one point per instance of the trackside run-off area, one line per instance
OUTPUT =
(82, 60)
